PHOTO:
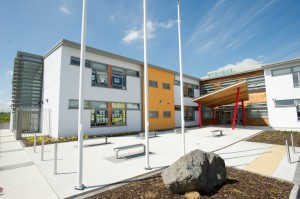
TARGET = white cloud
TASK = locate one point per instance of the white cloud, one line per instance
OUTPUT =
(4, 106)
(9, 73)
(65, 9)
(245, 63)
(138, 34)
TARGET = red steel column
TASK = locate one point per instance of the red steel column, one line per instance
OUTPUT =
(213, 115)
(243, 114)
(235, 107)
(199, 115)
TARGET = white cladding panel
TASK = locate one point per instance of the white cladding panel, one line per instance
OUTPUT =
(280, 88)
(51, 93)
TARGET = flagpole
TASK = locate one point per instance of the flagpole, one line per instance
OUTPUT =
(80, 186)
(147, 167)
(181, 80)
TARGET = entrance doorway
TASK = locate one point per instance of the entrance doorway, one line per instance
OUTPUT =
(226, 113)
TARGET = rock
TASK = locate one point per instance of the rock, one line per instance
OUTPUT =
(196, 171)
(192, 195)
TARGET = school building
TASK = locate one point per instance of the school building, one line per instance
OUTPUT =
(45, 94)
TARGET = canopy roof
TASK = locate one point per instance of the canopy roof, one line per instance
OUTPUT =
(225, 95)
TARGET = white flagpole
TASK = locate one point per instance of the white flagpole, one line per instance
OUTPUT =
(181, 80)
(146, 89)
(80, 186)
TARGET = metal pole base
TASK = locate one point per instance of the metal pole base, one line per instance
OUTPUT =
(80, 188)
(148, 168)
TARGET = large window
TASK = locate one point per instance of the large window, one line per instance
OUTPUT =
(206, 112)
(153, 114)
(258, 110)
(188, 90)
(189, 113)
(99, 75)
(99, 114)
(118, 113)
(118, 78)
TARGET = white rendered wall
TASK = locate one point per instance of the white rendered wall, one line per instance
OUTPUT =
(51, 92)
(69, 90)
(280, 88)
(187, 101)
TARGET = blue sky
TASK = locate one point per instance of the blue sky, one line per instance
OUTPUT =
(215, 33)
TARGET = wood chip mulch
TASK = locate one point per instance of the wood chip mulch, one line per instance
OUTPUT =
(239, 184)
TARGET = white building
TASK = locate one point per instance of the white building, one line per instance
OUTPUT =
(112, 85)
(283, 93)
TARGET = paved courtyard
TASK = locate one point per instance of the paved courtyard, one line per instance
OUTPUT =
(101, 168)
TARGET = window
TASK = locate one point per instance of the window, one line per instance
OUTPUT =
(166, 86)
(281, 71)
(118, 78)
(132, 73)
(188, 90)
(153, 83)
(176, 82)
(99, 115)
(298, 112)
(189, 114)
(76, 62)
(255, 83)
(281, 103)
(131, 106)
(177, 108)
(206, 113)
(118, 114)
(167, 114)
(207, 88)
(296, 76)
(153, 114)
(73, 104)
(258, 110)
(99, 74)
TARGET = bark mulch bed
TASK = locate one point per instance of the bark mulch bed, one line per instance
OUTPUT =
(239, 184)
(277, 137)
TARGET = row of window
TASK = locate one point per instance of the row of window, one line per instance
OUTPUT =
(291, 70)
(104, 75)
(154, 114)
(155, 85)
(254, 83)
(289, 103)
(259, 110)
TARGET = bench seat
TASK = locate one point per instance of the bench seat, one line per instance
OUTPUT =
(118, 149)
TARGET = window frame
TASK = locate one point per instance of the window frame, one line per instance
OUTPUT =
(153, 116)
(167, 114)
(166, 86)
(150, 84)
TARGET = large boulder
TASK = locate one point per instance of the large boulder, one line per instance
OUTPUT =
(196, 171)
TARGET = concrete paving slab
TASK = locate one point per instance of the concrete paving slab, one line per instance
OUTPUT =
(100, 169)
(15, 184)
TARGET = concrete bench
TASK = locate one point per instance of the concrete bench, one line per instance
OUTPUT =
(179, 130)
(94, 144)
(118, 149)
(151, 134)
(215, 131)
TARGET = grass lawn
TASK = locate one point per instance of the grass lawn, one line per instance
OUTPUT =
(4, 117)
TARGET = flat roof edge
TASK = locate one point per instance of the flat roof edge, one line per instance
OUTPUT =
(75, 45)
(290, 61)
